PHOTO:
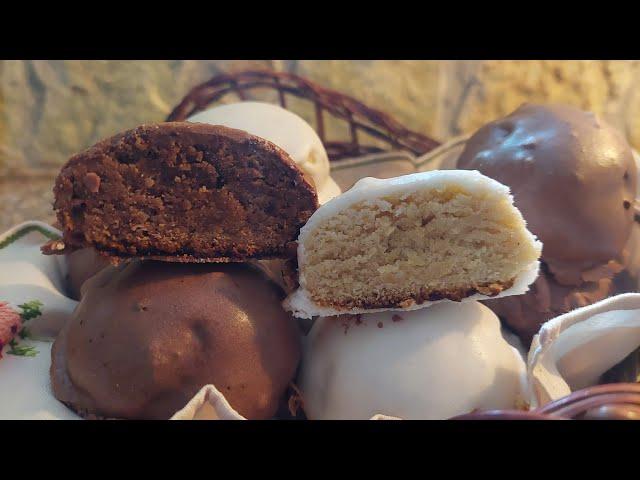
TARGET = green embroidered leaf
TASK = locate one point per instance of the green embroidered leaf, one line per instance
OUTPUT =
(22, 350)
(30, 309)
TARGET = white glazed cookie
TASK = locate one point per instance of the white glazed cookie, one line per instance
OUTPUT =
(285, 129)
(434, 363)
(407, 242)
(574, 350)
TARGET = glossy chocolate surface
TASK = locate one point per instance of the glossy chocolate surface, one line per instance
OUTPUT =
(573, 177)
(148, 335)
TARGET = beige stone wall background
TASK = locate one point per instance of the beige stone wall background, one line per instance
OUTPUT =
(52, 109)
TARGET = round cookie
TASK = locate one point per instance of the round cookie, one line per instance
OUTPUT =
(572, 176)
(147, 336)
(434, 363)
(574, 179)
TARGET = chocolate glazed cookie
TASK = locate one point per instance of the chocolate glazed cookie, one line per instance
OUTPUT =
(572, 176)
(148, 336)
(574, 179)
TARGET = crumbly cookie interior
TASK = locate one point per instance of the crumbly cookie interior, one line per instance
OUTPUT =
(203, 197)
(408, 248)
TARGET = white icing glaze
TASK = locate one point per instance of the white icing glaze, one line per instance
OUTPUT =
(300, 302)
(573, 350)
(282, 127)
(430, 364)
(208, 404)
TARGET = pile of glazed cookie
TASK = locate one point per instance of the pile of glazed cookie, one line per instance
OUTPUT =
(200, 252)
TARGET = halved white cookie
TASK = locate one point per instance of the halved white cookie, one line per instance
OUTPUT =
(406, 242)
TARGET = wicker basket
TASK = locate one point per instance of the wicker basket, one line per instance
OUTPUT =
(357, 115)
(614, 401)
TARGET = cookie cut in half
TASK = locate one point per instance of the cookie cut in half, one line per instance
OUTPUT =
(185, 192)
(405, 242)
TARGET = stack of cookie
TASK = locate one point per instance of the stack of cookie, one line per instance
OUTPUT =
(198, 220)
(372, 258)
(180, 210)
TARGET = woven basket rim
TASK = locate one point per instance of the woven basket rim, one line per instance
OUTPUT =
(358, 116)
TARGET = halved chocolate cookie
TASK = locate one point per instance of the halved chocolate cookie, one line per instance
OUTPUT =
(184, 192)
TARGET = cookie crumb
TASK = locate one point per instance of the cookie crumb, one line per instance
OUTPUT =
(92, 181)
(53, 247)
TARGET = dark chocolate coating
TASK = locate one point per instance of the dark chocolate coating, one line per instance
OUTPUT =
(572, 176)
(546, 299)
(148, 335)
(82, 265)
